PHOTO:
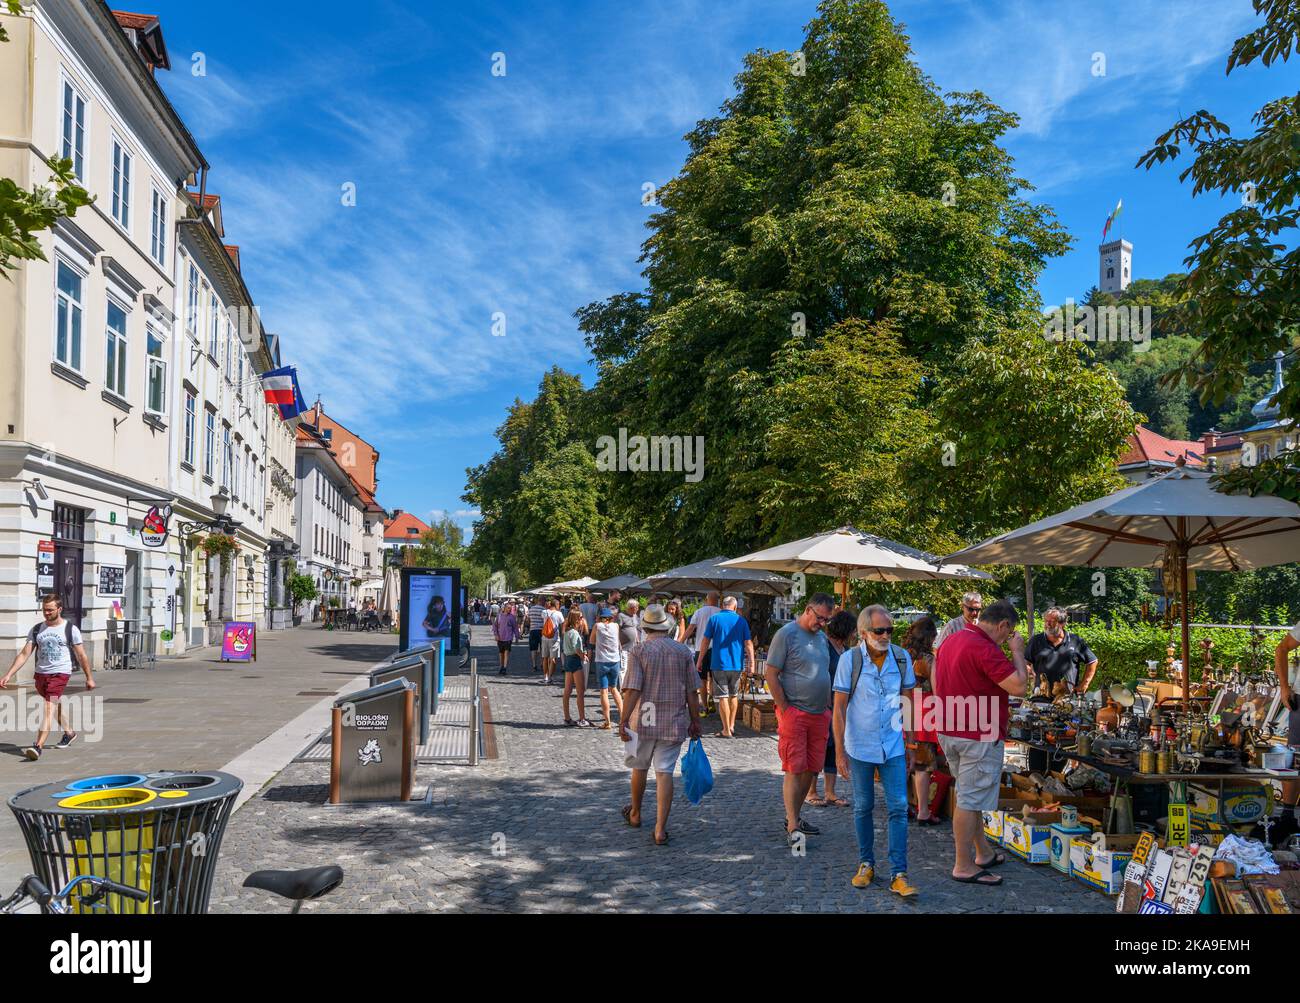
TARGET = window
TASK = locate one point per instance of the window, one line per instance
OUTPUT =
(115, 350)
(226, 456)
(234, 474)
(239, 383)
(121, 186)
(157, 398)
(215, 322)
(210, 443)
(74, 130)
(67, 335)
(192, 305)
(158, 228)
(190, 404)
(230, 345)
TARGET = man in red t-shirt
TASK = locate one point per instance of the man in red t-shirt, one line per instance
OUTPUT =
(972, 682)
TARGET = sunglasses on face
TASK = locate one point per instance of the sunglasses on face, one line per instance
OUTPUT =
(972, 609)
(880, 631)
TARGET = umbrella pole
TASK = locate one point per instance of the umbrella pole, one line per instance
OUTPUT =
(844, 590)
(1184, 616)
(1029, 601)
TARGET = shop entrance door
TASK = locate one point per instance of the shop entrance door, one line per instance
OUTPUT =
(69, 560)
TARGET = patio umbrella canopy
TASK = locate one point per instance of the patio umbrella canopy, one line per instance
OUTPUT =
(623, 583)
(1177, 520)
(846, 553)
(713, 575)
(577, 585)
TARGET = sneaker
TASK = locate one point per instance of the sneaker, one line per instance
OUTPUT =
(583, 723)
(502, 672)
(66, 740)
(900, 886)
(808, 828)
(866, 874)
(543, 680)
(32, 752)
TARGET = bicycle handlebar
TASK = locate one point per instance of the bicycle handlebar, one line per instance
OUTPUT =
(104, 884)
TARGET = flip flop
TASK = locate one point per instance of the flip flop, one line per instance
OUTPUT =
(627, 817)
(975, 879)
(815, 802)
(837, 802)
(662, 842)
(999, 858)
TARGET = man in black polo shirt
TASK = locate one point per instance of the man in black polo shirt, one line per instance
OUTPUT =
(1055, 655)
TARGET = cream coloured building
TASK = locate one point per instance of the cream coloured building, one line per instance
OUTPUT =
(87, 344)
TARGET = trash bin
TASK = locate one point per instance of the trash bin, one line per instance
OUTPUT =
(160, 832)
(417, 670)
(372, 752)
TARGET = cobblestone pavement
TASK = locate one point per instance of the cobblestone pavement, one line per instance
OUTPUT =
(189, 713)
(539, 830)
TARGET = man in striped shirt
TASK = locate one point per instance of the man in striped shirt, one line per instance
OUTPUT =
(536, 614)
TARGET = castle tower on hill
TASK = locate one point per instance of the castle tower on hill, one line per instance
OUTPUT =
(1116, 266)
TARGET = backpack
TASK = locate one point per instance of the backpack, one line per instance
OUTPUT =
(858, 663)
(548, 626)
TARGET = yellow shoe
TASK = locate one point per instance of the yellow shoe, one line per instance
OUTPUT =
(864, 876)
(901, 886)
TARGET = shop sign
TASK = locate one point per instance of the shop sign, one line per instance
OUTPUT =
(239, 642)
(153, 534)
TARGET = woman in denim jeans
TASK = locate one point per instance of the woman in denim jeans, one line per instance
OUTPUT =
(606, 660)
(868, 725)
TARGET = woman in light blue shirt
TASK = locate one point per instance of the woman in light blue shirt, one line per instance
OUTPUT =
(868, 726)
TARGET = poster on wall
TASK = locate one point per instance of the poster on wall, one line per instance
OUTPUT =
(112, 579)
(431, 607)
(239, 641)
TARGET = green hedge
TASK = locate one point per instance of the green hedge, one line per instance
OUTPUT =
(1122, 650)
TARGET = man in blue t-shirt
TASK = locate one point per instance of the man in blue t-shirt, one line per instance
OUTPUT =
(727, 634)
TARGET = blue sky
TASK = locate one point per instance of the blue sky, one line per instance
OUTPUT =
(521, 194)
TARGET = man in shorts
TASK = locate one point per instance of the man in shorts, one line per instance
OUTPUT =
(799, 678)
(660, 703)
(973, 678)
(694, 637)
(551, 644)
(728, 642)
(536, 614)
(55, 642)
(504, 631)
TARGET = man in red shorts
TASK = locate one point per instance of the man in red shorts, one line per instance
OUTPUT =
(55, 642)
(799, 677)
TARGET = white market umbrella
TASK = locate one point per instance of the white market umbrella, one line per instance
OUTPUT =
(846, 553)
(390, 594)
(577, 585)
(1177, 520)
(713, 575)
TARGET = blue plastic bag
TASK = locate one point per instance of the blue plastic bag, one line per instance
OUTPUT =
(696, 772)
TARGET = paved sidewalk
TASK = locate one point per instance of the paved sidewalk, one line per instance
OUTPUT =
(538, 830)
(191, 713)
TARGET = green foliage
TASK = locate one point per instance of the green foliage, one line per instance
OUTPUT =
(15, 8)
(302, 588)
(1123, 649)
(442, 546)
(1239, 295)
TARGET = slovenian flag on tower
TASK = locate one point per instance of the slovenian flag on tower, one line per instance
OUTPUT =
(1111, 218)
(281, 386)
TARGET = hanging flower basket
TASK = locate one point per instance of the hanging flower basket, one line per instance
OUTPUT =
(216, 545)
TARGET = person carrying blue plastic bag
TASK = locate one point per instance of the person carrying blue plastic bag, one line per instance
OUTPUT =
(660, 711)
(697, 774)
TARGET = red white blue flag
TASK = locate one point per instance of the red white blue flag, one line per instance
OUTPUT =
(281, 387)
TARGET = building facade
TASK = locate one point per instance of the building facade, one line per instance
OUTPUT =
(330, 513)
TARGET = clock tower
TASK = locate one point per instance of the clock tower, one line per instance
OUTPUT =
(1116, 266)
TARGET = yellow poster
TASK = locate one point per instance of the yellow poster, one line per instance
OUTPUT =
(1179, 826)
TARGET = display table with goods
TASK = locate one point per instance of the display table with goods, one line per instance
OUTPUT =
(1159, 803)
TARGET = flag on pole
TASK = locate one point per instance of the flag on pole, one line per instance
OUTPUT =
(281, 389)
(1111, 218)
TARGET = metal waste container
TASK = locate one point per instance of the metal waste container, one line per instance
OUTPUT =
(159, 832)
(417, 670)
(372, 752)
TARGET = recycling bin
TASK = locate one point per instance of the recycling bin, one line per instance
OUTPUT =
(372, 748)
(435, 652)
(416, 669)
(160, 832)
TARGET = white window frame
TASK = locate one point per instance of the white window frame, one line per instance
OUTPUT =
(122, 163)
(214, 332)
(192, 307)
(78, 306)
(117, 346)
(158, 226)
(227, 454)
(155, 364)
(209, 443)
(73, 147)
(191, 422)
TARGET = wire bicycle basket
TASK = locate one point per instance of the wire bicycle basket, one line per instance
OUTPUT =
(159, 832)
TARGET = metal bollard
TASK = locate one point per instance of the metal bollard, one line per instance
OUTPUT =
(473, 712)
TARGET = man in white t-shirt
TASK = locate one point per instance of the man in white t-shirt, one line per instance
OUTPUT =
(55, 642)
(694, 634)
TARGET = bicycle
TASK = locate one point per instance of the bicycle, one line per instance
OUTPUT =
(32, 889)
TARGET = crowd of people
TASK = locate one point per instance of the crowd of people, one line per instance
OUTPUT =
(851, 704)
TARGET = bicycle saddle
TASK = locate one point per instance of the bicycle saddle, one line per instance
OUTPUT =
(310, 883)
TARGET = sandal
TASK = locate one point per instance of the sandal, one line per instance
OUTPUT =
(837, 802)
(999, 858)
(815, 802)
(627, 817)
(569, 723)
(663, 841)
(977, 879)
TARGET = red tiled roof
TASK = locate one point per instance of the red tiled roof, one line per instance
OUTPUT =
(233, 251)
(1146, 446)
(400, 527)
(209, 201)
(137, 21)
